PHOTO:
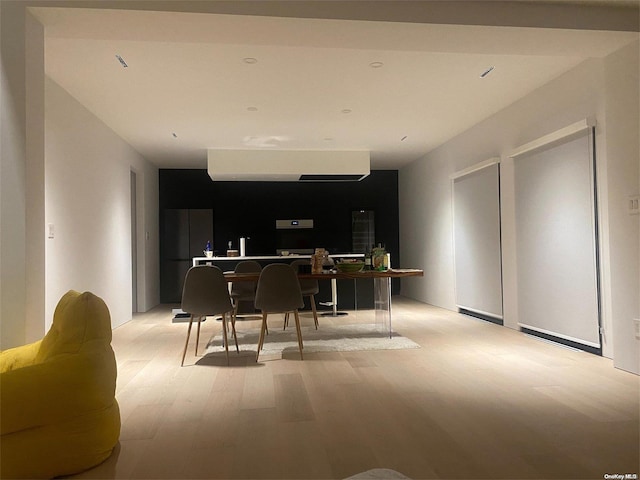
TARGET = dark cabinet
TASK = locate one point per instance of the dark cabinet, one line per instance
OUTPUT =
(183, 235)
(363, 231)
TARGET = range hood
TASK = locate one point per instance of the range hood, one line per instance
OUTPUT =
(288, 165)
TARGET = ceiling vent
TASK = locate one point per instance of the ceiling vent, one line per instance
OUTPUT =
(288, 165)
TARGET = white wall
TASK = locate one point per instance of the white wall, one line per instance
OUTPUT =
(35, 199)
(12, 175)
(623, 178)
(148, 236)
(426, 228)
(425, 188)
(28, 293)
(87, 191)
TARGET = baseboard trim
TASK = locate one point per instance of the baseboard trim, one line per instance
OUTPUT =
(481, 316)
(562, 341)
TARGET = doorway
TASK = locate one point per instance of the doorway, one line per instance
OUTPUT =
(134, 243)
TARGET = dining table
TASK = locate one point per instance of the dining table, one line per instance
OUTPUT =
(381, 285)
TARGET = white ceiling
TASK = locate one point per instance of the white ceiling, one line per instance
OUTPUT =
(187, 76)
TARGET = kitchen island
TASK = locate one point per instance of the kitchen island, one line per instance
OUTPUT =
(227, 261)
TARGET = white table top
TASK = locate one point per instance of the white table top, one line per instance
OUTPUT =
(198, 260)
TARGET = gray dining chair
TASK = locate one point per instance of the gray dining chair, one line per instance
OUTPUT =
(205, 293)
(278, 291)
(309, 288)
(244, 291)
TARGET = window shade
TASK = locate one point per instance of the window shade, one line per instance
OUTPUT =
(478, 267)
(556, 240)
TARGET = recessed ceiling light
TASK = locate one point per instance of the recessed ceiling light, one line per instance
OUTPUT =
(250, 60)
(121, 60)
(346, 110)
(376, 64)
(487, 72)
(252, 109)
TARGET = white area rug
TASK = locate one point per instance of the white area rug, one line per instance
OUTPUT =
(341, 338)
(378, 474)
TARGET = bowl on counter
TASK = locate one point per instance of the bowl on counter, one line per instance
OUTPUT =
(350, 266)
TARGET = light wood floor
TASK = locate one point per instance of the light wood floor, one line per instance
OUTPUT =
(476, 401)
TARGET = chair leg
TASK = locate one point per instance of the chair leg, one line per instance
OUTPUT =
(186, 344)
(198, 335)
(300, 346)
(233, 330)
(262, 330)
(286, 321)
(234, 314)
(224, 334)
(312, 300)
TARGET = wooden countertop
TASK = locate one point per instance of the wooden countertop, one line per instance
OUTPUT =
(391, 273)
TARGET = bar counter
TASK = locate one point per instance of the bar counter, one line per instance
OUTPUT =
(269, 258)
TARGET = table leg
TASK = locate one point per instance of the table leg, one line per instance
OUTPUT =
(334, 301)
(382, 302)
(355, 295)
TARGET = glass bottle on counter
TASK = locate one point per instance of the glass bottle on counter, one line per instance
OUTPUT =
(367, 260)
(327, 262)
(207, 250)
(378, 255)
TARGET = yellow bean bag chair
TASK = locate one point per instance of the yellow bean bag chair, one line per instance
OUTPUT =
(58, 412)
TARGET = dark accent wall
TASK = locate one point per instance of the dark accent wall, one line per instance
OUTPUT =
(250, 209)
